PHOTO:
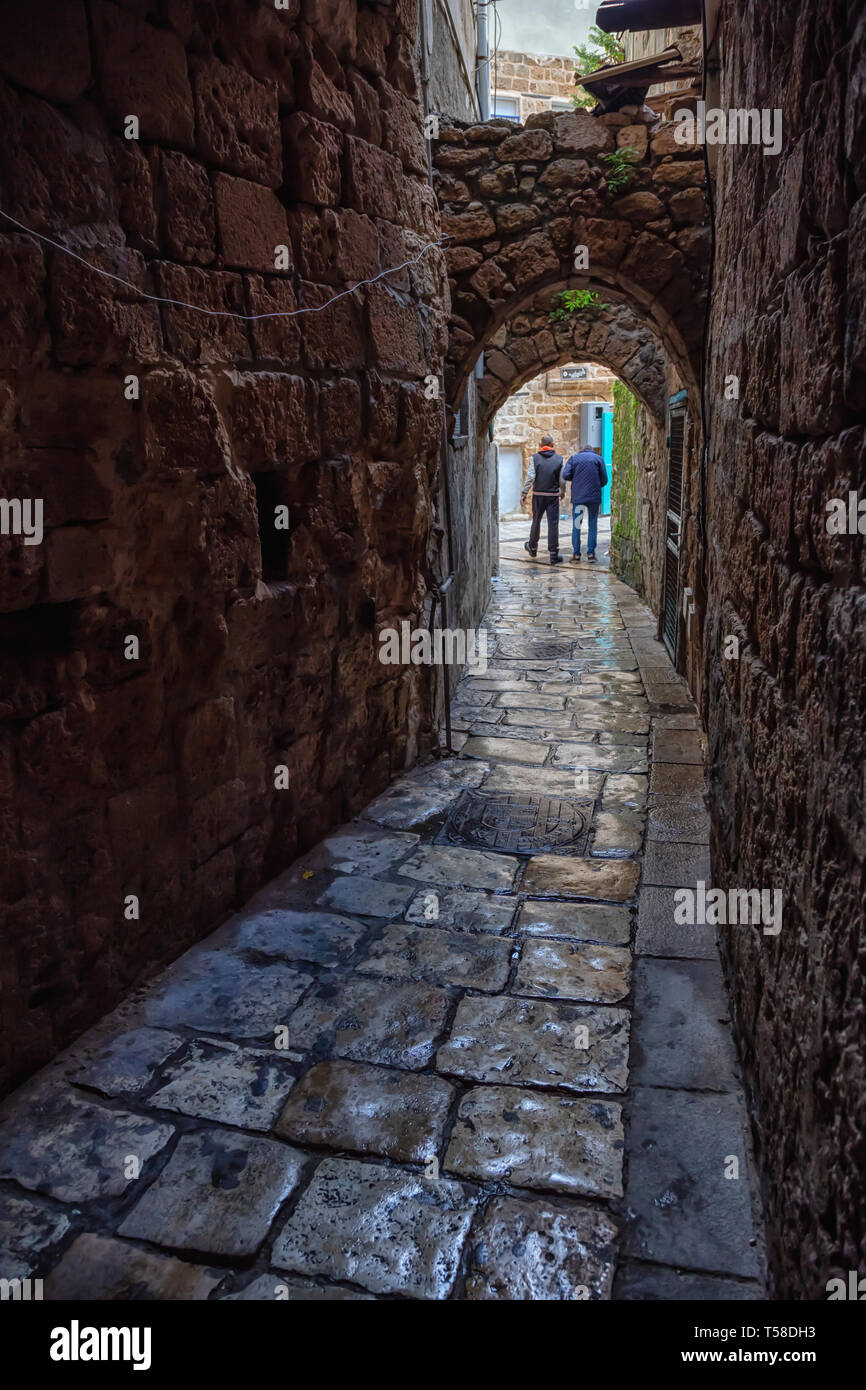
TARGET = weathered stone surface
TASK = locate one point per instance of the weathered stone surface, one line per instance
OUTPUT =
(461, 909)
(313, 154)
(236, 123)
(228, 1084)
(534, 1043)
(50, 54)
(368, 896)
(564, 970)
(72, 1149)
(388, 1231)
(278, 1288)
(575, 921)
(530, 1139)
(96, 1269)
(143, 70)
(27, 1231)
(471, 868)
(560, 876)
(318, 937)
(344, 1105)
(539, 1251)
(251, 222)
(218, 992)
(128, 1062)
(361, 1021)
(219, 1192)
(475, 961)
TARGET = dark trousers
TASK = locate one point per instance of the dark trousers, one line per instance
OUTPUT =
(542, 505)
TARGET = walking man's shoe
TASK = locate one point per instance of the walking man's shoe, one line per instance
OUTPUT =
(591, 555)
(527, 546)
(555, 557)
(575, 559)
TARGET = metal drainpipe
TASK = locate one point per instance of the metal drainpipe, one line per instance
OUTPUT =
(441, 589)
(482, 61)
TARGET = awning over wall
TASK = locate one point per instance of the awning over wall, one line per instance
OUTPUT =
(619, 81)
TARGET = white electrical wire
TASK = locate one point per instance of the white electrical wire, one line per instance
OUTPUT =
(197, 308)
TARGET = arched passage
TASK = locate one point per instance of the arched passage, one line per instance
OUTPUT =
(518, 203)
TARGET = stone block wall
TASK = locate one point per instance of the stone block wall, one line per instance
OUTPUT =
(166, 646)
(785, 717)
(549, 405)
(536, 78)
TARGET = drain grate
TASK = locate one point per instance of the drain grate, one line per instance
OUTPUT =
(514, 823)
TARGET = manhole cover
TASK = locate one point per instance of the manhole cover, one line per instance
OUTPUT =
(516, 824)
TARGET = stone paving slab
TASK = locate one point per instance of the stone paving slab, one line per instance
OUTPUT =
(472, 960)
(218, 1193)
(682, 1209)
(374, 1110)
(571, 970)
(601, 757)
(533, 1042)
(218, 992)
(369, 897)
(469, 868)
(535, 1139)
(540, 1251)
(658, 934)
(320, 938)
(96, 1269)
(577, 921)
(362, 1020)
(661, 1284)
(672, 865)
(126, 1064)
(462, 909)
(72, 1149)
(228, 1084)
(557, 876)
(681, 1021)
(511, 750)
(392, 1232)
(27, 1230)
(356, 849)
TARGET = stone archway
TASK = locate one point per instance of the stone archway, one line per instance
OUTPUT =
(529, 343)
(517, 202)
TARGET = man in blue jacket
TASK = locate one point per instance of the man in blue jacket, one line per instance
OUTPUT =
(588, 476)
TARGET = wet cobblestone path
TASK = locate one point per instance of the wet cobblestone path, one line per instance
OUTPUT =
(459, 1050)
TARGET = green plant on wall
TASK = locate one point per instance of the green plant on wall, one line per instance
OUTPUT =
(625, 522)
(599, 48)
(619, 169)
(570, 302)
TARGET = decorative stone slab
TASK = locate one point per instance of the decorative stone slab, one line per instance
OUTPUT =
(558, 876)
(541, 1251)
(472, 960)
(566, 970)
(534, 1139)
(518, 822)
(389, 1231)
(405, 803)
(577, 921)
(470, 868)
(97, 1268)
(279, 1288)
(618, 833)
(512, 750)
(533, 1042)
(218, 992)
(319, 937)
(27, 1230)
(231, 1085)
(367, 1022)
(368, 897)
(346, 1105)
(219, 1192)
(53, 1141)
(125, 1064)
(461, 909)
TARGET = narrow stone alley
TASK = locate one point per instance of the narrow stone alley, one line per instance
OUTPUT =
(458, 1050)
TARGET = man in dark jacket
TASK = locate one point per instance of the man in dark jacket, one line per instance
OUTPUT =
(588, 476)
(547, 491)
